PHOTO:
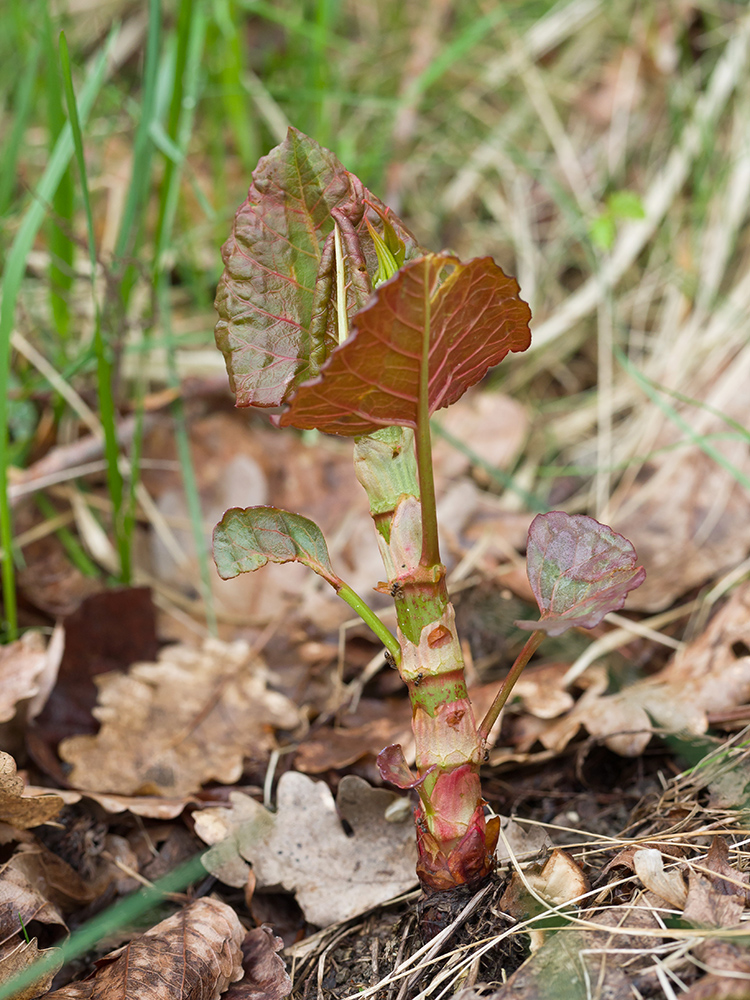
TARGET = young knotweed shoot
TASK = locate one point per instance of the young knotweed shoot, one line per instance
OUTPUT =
(330, 308)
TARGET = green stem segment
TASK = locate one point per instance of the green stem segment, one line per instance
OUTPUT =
(530, 647)
(368, 616)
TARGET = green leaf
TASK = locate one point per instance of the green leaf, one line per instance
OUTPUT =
(579, 571)
(626, 205)
(276, 298)
(603, 231)
(474, 317)
(247, 538)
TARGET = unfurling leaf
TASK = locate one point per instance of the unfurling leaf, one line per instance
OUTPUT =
(579, 571)
(473, 317)
(247, 538)
(276, 297)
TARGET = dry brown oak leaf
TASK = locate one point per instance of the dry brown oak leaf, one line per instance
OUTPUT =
(169, 727)
(22, 664)
(710, 674)
(304, 848)
(17, 809)
(24, 897)
(16, 956)
(193, 955)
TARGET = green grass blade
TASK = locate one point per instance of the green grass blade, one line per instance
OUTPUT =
(13, 274)
(61, 246)
(191, 39)
(107, 411)
(23, 105)
(237, 105)
(140, 177)
(69, 542)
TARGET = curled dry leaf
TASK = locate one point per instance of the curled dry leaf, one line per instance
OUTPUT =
(670, 885)
(265, 976)
(705, 676)
(169, 727)
(193, 954)
(23, 898)
(17, 809)
(22, 663)
(716, 898)
(303, 846)
(17, 956)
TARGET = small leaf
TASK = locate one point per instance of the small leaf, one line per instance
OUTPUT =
(247, 538)
(275, 299)
(393, 767)
(626, 205)
(579, 570)
(474, 317)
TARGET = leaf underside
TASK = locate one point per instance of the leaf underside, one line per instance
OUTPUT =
(276, 297)
(372, 380)
(579, 571)
(247, 538)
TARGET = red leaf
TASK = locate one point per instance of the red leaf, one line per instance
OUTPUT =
(474, 317)
(277, 323)
(579, 571)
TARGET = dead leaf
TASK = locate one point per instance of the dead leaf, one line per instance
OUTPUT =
(704, 528)
(23, 899)
(373, 726)
(21, 665)
(704, 677)
(304, 848)
(730, 972)
(492, 425)
(109, 631)
(20, 809)
(148, 806)
(17, 956)
(63, 886)
(195, 953)
(541, 692)
(560, 880)
(670, 885)
(169, 727)
(265, 977)
(713, 900)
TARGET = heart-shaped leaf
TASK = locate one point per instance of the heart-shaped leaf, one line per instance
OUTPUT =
(473, 317)
(276, 297)
(247, 538)
(579, 570)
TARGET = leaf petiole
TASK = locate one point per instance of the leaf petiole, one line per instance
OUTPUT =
(369, 617)
(530, 647)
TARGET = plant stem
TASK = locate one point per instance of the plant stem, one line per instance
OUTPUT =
(369, 617)
(430, 546)
(532, 644)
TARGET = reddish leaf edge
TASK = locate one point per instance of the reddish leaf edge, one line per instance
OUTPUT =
(555, 625)
(283, 419)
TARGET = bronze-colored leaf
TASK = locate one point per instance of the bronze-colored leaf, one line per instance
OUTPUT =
(171, 726)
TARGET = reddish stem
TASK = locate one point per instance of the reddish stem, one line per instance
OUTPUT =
(531, 646)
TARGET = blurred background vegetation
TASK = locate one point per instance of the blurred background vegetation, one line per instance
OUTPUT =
(597, 149)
